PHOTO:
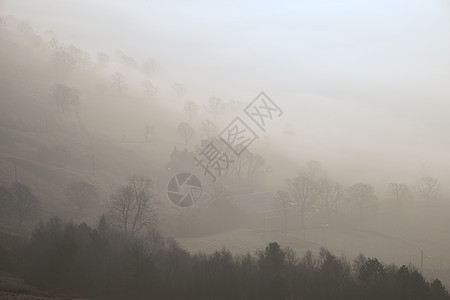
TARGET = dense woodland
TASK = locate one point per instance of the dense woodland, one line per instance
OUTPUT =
(102, 263)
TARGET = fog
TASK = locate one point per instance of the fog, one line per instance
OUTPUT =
(363, 89)
(381, 66)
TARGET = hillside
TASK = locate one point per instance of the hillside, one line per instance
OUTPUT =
(51, 149)
(106, 139)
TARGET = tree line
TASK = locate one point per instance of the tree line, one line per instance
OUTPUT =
(311, 188)
(64, 258)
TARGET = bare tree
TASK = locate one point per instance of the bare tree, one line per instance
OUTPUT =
(398, 192)
(81, 57)
(125, 59)
(65, 97)
(119, 82)
(215, 106)
(330, 194)
(305, 192)
(25, 28)
(362, 195)
(284, 200)
(103, 59)
(134, 206)
(190, 108)
(186, 131)
(81, 194)
(428, 187)
(63, 61)
(149, 88)
(54, 45)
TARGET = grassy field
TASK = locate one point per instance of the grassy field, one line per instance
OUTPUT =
(394, 239)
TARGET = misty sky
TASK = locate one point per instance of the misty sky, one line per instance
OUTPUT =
(360, 81)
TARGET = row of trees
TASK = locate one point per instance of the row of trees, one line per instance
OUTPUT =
(133, 207)
(119, 83)
(215, 106)
(103, 263)
(309, 189)
(66, 57)
(19, 204)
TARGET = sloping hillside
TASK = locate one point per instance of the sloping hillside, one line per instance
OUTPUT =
(50, 149)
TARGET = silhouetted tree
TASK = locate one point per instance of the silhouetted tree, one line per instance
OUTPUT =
(149, 88)
(119, 82)
(190, 108)
(126, 60)
(372, 271)
(215, 106)
(438, 291)
(134, 205)
(92, 263)
(102, 225)
(55, 45)
(272, 263)
(25, 28)
(334, 274)
(362, 195)
(103, 59)
(305, 193)
(399, 193)
(330, 194)
(63, 61)
(81, 57)
(428, 187)
(65, 97)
